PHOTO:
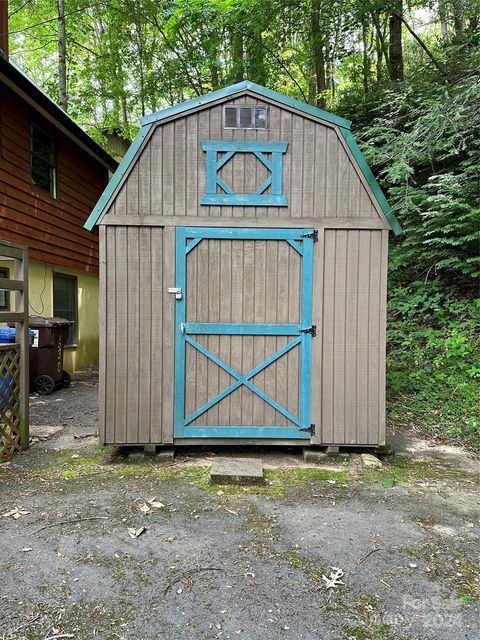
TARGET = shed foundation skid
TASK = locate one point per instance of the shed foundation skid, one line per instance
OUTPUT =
(243, 280)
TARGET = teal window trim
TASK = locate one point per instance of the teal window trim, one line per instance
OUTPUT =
(259, 198)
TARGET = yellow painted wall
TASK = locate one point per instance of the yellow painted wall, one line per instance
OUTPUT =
(40, 282)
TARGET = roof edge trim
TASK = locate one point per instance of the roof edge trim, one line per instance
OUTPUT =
(372, 181)
(246, 85)
(122, 168)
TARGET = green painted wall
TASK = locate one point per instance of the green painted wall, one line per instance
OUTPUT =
(40, 282)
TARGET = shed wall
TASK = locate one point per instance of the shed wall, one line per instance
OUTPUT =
(137, 335)
(319, 178)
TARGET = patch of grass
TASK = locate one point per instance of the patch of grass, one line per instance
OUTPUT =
(406, 470)
(368, 632)
(466, 581)
(298, 477)
(365, 621)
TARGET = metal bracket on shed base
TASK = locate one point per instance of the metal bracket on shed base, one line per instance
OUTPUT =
(310, 429)
(313, 235)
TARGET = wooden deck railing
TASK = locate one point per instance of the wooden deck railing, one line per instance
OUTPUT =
(14, 380)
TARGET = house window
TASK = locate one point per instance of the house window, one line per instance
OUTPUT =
(43, 160)
(4, 295)
(65, 302)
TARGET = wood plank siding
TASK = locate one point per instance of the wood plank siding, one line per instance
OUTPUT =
(248, 281)
(51, 227)
(319, 178)
(348, 397)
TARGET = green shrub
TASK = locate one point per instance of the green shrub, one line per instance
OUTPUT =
(433, 367)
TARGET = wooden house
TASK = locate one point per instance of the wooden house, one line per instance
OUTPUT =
(243, 269)
(51, 175)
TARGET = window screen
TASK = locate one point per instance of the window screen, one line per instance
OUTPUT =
(245, 117)
(4, 295)
(65, 302)
(44, 172)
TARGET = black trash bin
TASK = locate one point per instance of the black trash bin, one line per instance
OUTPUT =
(46, 354)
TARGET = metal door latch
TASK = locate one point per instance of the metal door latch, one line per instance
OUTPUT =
(312, 330)
(313, 235)
(310, 429)
(177, 291)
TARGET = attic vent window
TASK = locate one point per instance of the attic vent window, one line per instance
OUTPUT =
(245, 117)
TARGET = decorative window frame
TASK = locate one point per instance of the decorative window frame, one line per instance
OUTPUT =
(257, 199)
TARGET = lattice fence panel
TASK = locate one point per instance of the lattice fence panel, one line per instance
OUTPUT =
(10, 414)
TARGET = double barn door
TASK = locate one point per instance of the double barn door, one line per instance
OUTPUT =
(243, 332)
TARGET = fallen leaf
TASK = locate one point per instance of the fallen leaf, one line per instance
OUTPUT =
(150, 505)
(155, 504)
(136, 533)
(333, 580)
(15, 513)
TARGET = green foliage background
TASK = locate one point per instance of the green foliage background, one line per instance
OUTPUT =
(420, 133)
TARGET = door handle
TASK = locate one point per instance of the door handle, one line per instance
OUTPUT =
(177, 291)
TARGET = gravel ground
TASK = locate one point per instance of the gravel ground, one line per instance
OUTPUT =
(219, 562)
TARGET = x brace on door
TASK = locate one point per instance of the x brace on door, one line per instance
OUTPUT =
(301, 240)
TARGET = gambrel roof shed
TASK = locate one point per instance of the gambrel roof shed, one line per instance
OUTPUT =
(228, 93)
(243, 245)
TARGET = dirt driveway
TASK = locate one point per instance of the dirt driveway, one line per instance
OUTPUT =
(223, 562)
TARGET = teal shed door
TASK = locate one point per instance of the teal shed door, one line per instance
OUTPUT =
(243, 332)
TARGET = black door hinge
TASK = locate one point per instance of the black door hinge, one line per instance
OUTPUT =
(313, 235)
(312, 330)
(310, 429)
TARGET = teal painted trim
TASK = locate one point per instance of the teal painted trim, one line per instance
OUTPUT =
(240, 233)
(263, 160)
(242, 380)
(246, 85)
(180, 307)
(296, 246)
(264, 186)
(244, 200)
(192, 244)
(372, 182)
(306, 350)
(224, 159)
(277, 173)
(280, 433)
(244, 146)
(229, 197)
(207, 328)
(211, 172)
(223, 185)
(186, 237)
(116, 178)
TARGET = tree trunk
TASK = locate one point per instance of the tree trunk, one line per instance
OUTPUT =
(62, 56)
(318, 56)
(458, 17)
(395, 42)
(236, 45)
(442, 14)
(366, 60)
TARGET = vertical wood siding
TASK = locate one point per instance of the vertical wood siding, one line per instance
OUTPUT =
(242, 281)
(319, 179)
(351, 387)
(136, 362)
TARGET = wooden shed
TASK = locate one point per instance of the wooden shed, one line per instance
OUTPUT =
(243, 278)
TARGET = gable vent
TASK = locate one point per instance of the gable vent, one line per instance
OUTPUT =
(245, 117)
